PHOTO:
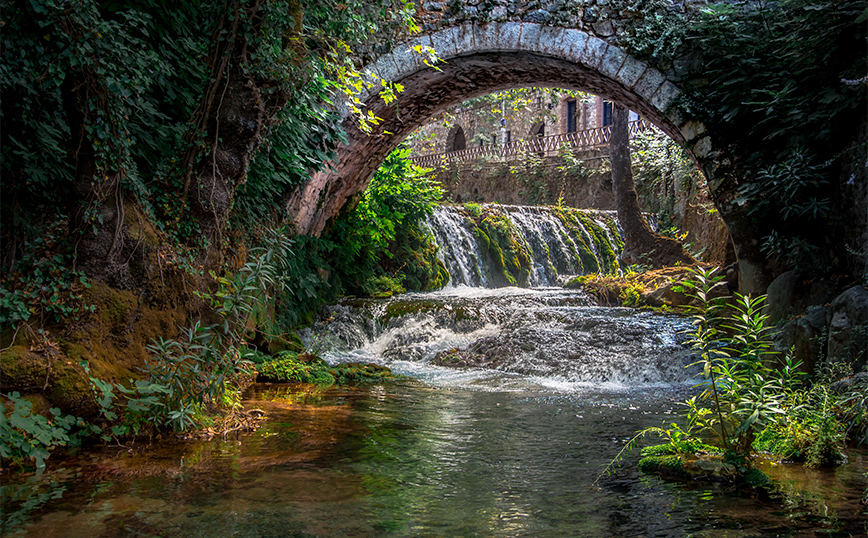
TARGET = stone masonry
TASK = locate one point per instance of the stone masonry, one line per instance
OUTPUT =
(491, 46)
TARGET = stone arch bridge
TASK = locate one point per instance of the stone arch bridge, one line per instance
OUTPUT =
(506, 45)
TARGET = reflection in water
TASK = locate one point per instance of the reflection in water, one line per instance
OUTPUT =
(410, 460)
(504, 452)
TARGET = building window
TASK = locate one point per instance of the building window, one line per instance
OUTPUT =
(572, 116)
(607, 113)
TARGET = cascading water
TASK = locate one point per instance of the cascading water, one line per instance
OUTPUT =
(557, 242)
(504, 336)
(507, 338)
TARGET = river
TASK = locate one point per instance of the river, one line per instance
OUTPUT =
(513, 449)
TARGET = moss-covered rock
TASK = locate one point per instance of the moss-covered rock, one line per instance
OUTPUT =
(698, 462)
(657, 288)
(414, 260)
(289, 367)
(510, 258)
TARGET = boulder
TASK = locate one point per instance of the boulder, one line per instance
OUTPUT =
(847, 321)
(805, 336)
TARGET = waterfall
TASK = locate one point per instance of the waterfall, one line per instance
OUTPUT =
(531, 246)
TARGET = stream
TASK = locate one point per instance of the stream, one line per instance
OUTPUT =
(512, 443)
(510, 450)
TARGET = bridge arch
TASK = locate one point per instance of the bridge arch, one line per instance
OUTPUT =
(482, 58)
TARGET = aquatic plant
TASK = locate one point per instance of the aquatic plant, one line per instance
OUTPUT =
(752, 398)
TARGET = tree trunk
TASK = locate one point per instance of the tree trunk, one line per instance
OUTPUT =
(641, 244)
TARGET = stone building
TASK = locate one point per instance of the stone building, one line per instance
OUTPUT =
(487, 120)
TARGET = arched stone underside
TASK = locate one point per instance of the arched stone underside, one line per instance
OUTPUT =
(483, 58)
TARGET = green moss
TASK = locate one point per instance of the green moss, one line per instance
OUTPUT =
(75, 352)
(400, 308)
(414, 261)
(755, 478)
(614, 233)
(576, 282)
(19, 368)
(693, 460)
(607, 260)
(482, 239)
(289, 367)
(7, 336)
(355, 373)
(112, 305)
(510, 258)
(582, 241)
(72, 392)
(692, 446)
(668, 465)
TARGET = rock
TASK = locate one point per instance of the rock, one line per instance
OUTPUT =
(498, 13)
(848, 328)
(665, 295)
(804, 336)
(843, 385)
(538, 16)
(780, 300)
(603, 29)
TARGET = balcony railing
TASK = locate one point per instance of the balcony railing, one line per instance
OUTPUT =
(587, 139)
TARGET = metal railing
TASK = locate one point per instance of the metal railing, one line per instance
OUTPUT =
(584, 140)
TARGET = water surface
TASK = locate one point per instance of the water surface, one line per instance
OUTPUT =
(512, 450)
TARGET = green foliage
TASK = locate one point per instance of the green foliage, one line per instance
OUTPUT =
(853, 405)
(688, 446)
(289, 367)
(752, 399)
(186, 374)
(474, 209)
(399, 197)
(657, 31)
(25, 435)
(533, 175)
(44, 283)
(745, 394)
(414, 260)
(382, 286)
(783, 82)
(792, 60)
(399, 193)
(107, 103)
(631, 295)
(793, 194)
(302, 139)
(783, 85)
